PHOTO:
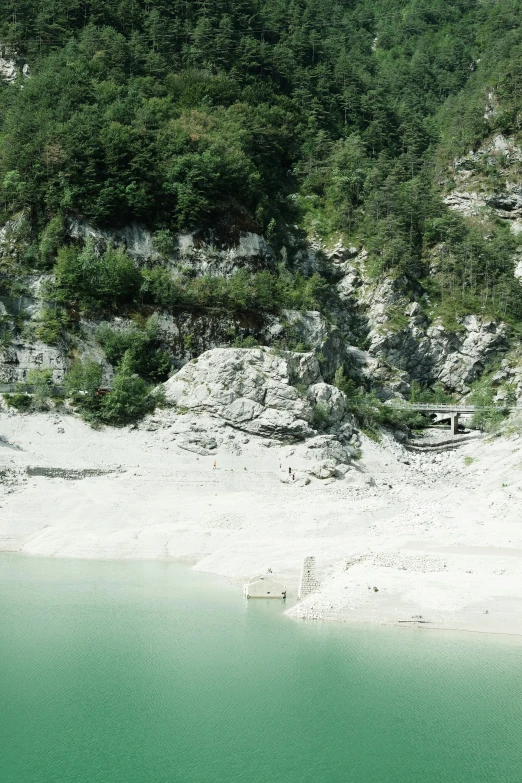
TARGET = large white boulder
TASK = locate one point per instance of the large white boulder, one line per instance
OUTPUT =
(332, 400)
(256, 390)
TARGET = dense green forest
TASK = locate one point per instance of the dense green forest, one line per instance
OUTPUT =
(338, 116)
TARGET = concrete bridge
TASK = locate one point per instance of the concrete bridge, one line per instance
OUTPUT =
(452, 409)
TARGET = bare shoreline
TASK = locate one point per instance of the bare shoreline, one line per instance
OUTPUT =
(439, 539)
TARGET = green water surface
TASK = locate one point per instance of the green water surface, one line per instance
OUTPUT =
(125, 672)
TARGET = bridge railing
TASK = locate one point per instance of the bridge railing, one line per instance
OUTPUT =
(436, 407)
(428, 406)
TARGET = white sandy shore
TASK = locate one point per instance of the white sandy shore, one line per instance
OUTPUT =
(440, 540)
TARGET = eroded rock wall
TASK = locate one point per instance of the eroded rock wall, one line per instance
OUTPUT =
(381, 333)
(402, 344)
(475, 192)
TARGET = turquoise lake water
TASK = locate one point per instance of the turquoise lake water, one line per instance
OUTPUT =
(122, 672)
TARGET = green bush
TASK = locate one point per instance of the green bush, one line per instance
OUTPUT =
(96, 282)
(82, 383)
(6, 339)
(163, 242)
(370, 413)
(42, 383)
(160, 287)
(52, 324)
(487, 417)
(243, 291)
(397, 418)
(438, 393)
(51, 240)
(141, 347)
(19, 400)
(245, 342)
(321, 417)
(129, 399)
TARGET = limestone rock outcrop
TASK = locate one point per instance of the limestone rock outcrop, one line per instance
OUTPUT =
(507, 379)
(327, 340)
(202, 254)
(12, 64)
(472, 194)
(332, 401)
(256, 390)
(373, 328)
(402, 344)
(20, 358)
(434, 354)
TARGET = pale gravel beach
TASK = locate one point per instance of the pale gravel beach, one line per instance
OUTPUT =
(439, 539)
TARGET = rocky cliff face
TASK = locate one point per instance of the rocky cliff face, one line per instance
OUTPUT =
(12, 65)
(17, 361)
(383, 335)
(486, 182)
(402, 344)
(184, 336)
(201, 253)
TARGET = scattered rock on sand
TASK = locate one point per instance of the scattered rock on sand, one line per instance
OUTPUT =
(199, 444)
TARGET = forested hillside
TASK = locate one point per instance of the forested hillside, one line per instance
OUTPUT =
(337, 119)
(181, 113)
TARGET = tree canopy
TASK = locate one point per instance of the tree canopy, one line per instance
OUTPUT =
(333, 115)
